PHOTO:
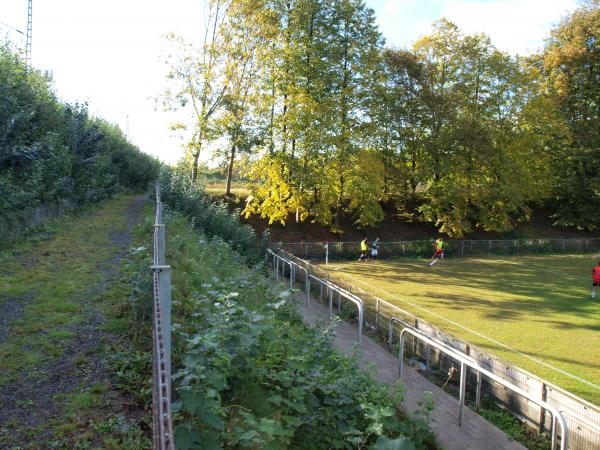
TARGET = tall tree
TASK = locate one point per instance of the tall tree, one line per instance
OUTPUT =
(465, 102)
(202, 77)
(571, 66)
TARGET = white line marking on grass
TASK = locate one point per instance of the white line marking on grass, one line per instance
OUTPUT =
(476, 333)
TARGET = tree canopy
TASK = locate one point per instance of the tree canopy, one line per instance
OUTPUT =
(452, 130)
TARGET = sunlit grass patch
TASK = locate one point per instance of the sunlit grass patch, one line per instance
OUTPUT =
(55, 275)
(238, 188)
(539, 305)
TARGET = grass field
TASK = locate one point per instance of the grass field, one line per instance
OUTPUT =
(538, 305)
(238, 188)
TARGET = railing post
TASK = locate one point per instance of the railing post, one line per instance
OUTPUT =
(401, 355)
(330, 304)
(461, 396)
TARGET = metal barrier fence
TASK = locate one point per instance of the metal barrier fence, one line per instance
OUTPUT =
(161, 336)
(325, 251)
(582, 418)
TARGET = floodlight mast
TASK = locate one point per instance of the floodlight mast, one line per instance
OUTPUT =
(29, 29)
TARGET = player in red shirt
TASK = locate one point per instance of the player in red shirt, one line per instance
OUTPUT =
(595, 279)
(439, 251)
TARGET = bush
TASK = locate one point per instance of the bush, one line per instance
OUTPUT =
(209, 216)
(249, 374)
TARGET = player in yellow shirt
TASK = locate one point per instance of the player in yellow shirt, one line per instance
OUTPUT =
(364, 248)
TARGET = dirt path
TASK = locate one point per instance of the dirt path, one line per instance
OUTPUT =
(54, 344)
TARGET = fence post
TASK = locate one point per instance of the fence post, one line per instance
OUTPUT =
(164, 292)
(542, 417)
(326, 252)
(330, 304)
(377, 314)
(462, 248)
(162, 257)
(478, 392)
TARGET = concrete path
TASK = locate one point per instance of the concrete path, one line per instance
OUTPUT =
(476, 433)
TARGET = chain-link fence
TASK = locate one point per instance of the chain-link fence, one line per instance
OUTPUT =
(330, 251)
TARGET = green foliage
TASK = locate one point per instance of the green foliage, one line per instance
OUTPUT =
(333, 124)
(570, 64)
(207, 215)
(53, 153)
(249, 374)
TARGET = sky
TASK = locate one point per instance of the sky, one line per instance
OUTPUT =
(110, 53)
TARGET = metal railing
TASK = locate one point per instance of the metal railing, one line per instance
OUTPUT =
(446, 346)
(466, 361)
(331, 288)
(161, 336)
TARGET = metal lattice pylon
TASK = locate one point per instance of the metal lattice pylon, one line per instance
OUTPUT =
(29, 29)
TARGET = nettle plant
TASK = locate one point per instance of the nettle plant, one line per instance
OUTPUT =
(259, 379)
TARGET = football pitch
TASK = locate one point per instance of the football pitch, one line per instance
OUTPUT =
(540, 306)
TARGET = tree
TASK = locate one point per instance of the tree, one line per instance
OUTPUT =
(202, 77)
(317, 77)
(471, 100)
(570, 64)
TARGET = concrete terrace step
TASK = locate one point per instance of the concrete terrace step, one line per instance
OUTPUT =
(476, 433)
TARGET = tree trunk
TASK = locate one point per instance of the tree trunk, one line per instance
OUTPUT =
(340, 203)
(195, 167)
(230, 171)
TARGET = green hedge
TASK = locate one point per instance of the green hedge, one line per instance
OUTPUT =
(53, 153)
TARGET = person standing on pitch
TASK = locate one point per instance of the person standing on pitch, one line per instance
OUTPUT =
(439, 251)
(375, 248)
(364, 248)
(595, 279)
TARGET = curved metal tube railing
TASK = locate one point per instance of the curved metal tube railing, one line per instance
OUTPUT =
(330, 286)
(466, 361)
